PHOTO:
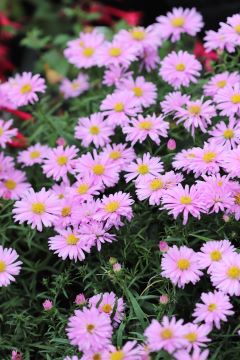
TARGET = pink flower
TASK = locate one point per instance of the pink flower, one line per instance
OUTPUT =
(47, 305)
(16, 355)
(231, 162)
(220, 81)
(164, 299)
(130, 351)
(179, 21)
(114, 207)
(196, 355)
(153, 126)
(14, 183)
(98, 232)
(61, 141)
(118, 107)
(179, 69)
(173, 101)
(143, 167)
(93, 130)
(9, 267)
(181, 266)
(116, 53)
(6, 132)
(80, 299)
(89, 329)
(35, 154)
(196, 335)
(150, 58)
(226, 135)
(117, 267)
(167, 335)
(6, 164)
(114, 74)
(217, 40)
(107, 302)
(215, 307)
(140, 37)
(75, 87)
(231, 30)
(171, 144)
(228, 100)
(84, 213)
(59, 162)
(23, 88)
(163, 246)
(119, 154)
(84, 188)
(37, 208)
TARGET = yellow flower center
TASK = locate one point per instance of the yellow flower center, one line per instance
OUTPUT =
(72, 239)
(138, 34)
(66, 211)
(212, 307)
(115, 155)
(98, 169)
(234, 272)
(209, 156)
(143, 169)
(34, 154)
(185, 200)
(221, 83)
(117, 355)
(75, 85)
(82, 189)
(88, 51)
(90, 328)
(237, 28)
(2, 266)
(194, 109)
(38, 208)
(137, 91)
(10, 184)
(235, 99)
(180, 67)
(62, 160)
(115, 51)
(97, 356)
(183, 264)
(106, 308)
(145, 125)
(228, 134)
(1, 131)
(61, 196)
(156, 184)
(166, 334)
(25, 89)
(94, 130)
(216, 255)
(118, 107)
(178, 21)
(191, 337)
(112, 206)
(237, 198)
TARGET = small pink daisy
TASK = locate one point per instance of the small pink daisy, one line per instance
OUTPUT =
(6, 165)
(226, 135)
(59, 162)
(67, 205)
(184, 159)
(84, 213)
(61, 190)
(96, 355)
(34, 154)
(215, 307)
(196, 355)
(14, 184)
(217, 40)
(84, 188)
(37, 208)
(139, 129)
(231, 162)
(149, 59)
(5, 100)
(74, 88)
(98, 232)
(130, 351)
(144, 166)
(9, 267)
(231, 29)
(120, 154)
(6, 132)
(114, 74)
(228, 100)
(181, 266)
(140, 37)
(220, 81)
(116, 53)
(196, 335)
(173, 101)
(93, 130)
(106, 302)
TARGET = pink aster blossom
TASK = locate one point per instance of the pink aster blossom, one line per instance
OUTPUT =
(47, 305)
(217, 40)
(6, 132)
(149, 58)
(84, 188)
(116, 53)
(130, 351)
(9, 266)
(37, 208)
(93, 355)
(228, 100)
(6, 164)
(231, 30)
(144, 92)
(231, 161)
(59, 162)
(181, 266)
(184, 159)
(173, 101)
(74, 88)
(93, 130)
(114, 208)
(167, 335)
(196, 335)
(215, 307)
(14, 183)
(34, 154)
(85, 213)
(106, 302)
(98, 232)
(220, 81)
(114, 74)
(227, 135)
(196, 114)
(179, 21)
(89, 329)
(67, 205)
(5, 100)
(235, 209)
(225, 274)
(118, 107)
(61, 190)
(186, 200)
(24, 88)
(143, 167)
(196, 355)
(139, 129)
(120, 154)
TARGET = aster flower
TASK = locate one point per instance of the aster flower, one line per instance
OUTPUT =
(60, 161)
(184, 160)
(98, 232)
(9, 266)
(173, 101)
(231, 30)
(116, 53)
(93, 130)
(120, 154)
(215, 307)
(6, 164)
(34, 154)
(231, 161)
(118, 107)
(179, 69)
(152, 126)
(24, 88)
(217, 40)
(37, 208)
(220, 81)
(142, 167)
(196, 355)
(196, 335)
(130, 351)
(181, 266)
(228, 100)
(167, 335)
(107, 302)
(114, 74)
(96, 355)
(140, 37)
(74, 88)
(84, 213)
(149, 58)
(67, 205)
(179, 21)
(89, 329)
(6, 132)
(226, 135)
(14, 184)
(144, 92)
(84, 188)
(61, 190)
(114, 207)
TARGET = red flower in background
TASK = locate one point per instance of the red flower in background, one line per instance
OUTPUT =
(205, 57)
